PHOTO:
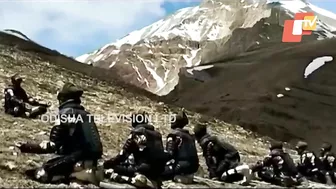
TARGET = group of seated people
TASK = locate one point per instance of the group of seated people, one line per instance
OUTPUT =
(143, 160)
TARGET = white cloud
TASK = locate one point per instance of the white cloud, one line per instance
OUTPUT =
(73, 21)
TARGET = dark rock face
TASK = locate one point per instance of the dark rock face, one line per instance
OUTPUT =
(243, 91)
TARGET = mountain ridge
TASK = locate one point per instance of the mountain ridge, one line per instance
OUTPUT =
(151, 57)
(17, 42)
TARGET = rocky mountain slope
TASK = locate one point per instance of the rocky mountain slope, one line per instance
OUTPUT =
(266, 91)
(45, 72)
(152, 56)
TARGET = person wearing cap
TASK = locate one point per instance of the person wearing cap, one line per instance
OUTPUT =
(76, 141)
(182, 153)
(277, 167)
(146, 146)
(16, 99)
(309, 166)
(328, 161)
(222, 159)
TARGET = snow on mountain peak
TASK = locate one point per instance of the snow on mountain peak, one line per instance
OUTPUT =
(152, 56)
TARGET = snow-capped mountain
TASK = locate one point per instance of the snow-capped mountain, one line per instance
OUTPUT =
(152, 57)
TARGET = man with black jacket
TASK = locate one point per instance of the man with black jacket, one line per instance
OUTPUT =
(75, 138)
(222, 159)
(278, 167)
(145, 144)
(310, 166)
(328, 159)
(182, 152)
(16, 101)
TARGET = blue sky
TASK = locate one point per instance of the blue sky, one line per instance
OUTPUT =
(326, 4)
(75, 27)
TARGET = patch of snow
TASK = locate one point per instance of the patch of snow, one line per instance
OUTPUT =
(190, 71)
(137, 71)
(320, 38)
(190, 59)
(199, 68)
(102, 49)
(198, 63)
(179, 45)
(212, 35)
(247, 6)
(280, 95)
(316, 64)
(166, 75)
(159, 81)
(112, 64)
(287, 89)
(98, 58)
(164, 28)
(114, 52)
(227, 7)
(181, 12)
(293, 6)
(82, 58)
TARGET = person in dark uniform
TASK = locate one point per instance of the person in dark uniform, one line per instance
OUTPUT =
(310, 166)
(181, 149)
(277, 168)
(328, 161)
(146, 146)
(222, 159)
(16, 100)
(75, 138)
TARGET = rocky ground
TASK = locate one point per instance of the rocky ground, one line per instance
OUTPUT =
(44, 78)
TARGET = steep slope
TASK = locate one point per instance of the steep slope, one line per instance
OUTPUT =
(245, 91)
(44, 76)
(19, 41)
(152, 57)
